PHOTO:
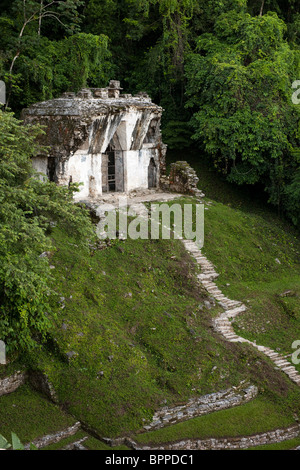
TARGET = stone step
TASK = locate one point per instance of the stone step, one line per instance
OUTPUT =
(212, 275)
(209, 284)
(213, 291)
(233, 302)
(203, 260)
(229, 302)
(261, 348)
(206, 274)
(230, 335)
(282, 363)
(235, 311)
(294, 376)
(209, 271)
(289, 369)
(223, 322)
(226, 330)
(192, 249)
(273, 354)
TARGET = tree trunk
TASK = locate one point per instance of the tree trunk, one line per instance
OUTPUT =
(262, 8)
(40, 17)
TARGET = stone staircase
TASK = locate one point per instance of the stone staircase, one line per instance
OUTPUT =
(232, 308)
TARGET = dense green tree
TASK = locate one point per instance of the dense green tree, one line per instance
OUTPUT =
(48, 68)
(28, 208)
(239, 86)
(232, 60)
(39, 64)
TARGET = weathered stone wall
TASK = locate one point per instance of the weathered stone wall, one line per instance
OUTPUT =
(183, 179)
(271, 437)
(228, 443)
(233, 396)
(53, 438)
(11, 383)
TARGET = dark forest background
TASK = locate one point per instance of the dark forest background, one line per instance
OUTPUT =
(223, 71)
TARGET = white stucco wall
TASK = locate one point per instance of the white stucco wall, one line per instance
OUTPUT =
(126, 128)
(85, 168)
(136, 168)
(40, 165)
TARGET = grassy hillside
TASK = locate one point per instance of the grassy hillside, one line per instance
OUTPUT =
(135, 326)
(132, 328)
(257, 255)
(133, 333)
(259, 264)
(30, 416)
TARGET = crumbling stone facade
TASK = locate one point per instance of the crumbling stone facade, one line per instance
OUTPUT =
(101, 138)
(182, 179)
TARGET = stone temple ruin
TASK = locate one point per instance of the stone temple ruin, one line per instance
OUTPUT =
(110, 142)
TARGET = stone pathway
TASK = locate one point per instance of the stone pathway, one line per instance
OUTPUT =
(232, 308)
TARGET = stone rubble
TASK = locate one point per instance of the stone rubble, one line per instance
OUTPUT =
(183, 179)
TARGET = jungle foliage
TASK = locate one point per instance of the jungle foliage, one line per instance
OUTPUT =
(29, 207)
(222, 69)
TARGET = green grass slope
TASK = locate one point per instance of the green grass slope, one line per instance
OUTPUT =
(26, 413)
(132, 333)
(132, 328)
(259, 264)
